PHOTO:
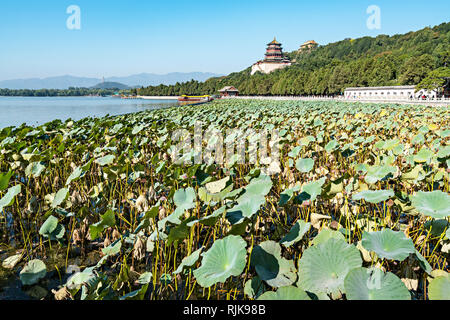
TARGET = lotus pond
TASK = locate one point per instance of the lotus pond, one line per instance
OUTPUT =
(357, 208)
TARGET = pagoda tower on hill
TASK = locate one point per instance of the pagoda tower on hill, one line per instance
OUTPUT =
(274, 59)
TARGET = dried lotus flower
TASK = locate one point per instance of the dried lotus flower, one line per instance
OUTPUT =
(115, 235)
(162, 213)
(151, 194)
(76, 236)
(139, 249)
(107, 242)
(62, 294)
(142, 204)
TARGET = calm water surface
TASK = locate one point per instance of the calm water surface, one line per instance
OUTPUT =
(38, 110)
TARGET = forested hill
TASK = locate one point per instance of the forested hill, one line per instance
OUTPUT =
(385, 60)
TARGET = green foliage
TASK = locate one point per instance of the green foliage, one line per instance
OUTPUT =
(329, 69)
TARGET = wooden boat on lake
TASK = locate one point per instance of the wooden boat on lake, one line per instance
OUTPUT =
(194, 100)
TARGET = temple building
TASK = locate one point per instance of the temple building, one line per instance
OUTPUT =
(274, 59)
(308, 46)
(229, 91)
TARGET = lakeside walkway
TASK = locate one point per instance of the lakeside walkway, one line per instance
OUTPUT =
(437, 102)
(157, 97)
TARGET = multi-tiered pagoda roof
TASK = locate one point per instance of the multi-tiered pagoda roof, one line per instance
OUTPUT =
(274, 52)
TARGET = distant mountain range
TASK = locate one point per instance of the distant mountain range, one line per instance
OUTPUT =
(137, 80)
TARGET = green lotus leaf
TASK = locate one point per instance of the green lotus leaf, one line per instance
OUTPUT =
(49, 226)
(254, 287)
(439, 288)
(137, 129)
(323, 268)
(245, 209)
(258, 187)
(32, 272)
(34, 169)
(414, 174)
(304, 165)
(331, 146)
(136, 294)
(418, 139)
(378, 173)
(374, 196)
(4, 179)
(211, 219)
(112, 249)
(60, 196)
(296, 233)
(217, 186)
(311, 190)
(327, 234)
(374, 284)
(9, 197)
(436, 227)
(423, 263)
(435, 204)
(76, 174)
(76, 280)
(107, 220)
(189, 261)
(388, 244)
(287, 195)
(444, 152)
(145, 278)
(424, 155)
(106, 160)
(185, 199)
(285, 293)
(271, 267)
(391, 144)
(227, 257)
(294, 152)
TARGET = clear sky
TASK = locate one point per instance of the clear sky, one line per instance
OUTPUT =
(119, 38)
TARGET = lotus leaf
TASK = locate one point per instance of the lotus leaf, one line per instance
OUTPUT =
(296, 233)
(60, 197)
(8, 198)
(285, 293)
(227, 257)
(439, 288)
(388, 244)
(327, 234)
(33, 271)
(374, 284)
(189, 261)
(323, 267)
(304, 165)
(374, 196)
(435, 204)
(271, 267)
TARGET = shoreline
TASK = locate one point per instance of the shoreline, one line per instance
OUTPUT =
(158, 97)
(435, 103)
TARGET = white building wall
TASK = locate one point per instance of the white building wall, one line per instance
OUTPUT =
(387, 93)
(268, 67)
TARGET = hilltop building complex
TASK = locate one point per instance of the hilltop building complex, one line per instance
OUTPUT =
(274, 59)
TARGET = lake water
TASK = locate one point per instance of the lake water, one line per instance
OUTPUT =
(38, 110)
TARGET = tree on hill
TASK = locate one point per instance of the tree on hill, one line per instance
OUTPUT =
(329, 69)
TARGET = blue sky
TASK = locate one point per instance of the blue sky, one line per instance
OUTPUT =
(119, 38)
